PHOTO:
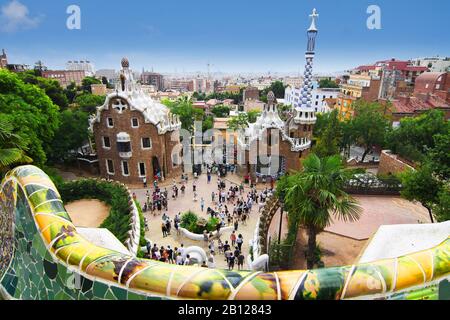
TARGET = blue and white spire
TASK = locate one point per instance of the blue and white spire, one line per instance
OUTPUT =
(304, 110)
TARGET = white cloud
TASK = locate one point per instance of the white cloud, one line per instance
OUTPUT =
(15, 16)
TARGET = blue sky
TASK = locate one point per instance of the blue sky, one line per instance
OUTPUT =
(232, 35)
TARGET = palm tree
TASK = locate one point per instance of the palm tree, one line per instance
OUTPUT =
(314, 195)
(12, 147)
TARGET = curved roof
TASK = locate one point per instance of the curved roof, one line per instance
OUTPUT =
(430, 76)
(154, 112)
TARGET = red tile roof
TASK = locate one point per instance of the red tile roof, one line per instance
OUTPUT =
(419, 103)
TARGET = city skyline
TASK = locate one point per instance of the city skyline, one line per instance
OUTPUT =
(234, 38)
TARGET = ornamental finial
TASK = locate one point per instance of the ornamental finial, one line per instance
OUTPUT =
(313, 16)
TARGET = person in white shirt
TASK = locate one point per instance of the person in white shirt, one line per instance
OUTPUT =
(181, 249)
(187, 261)
(211, 261)
(179, 259)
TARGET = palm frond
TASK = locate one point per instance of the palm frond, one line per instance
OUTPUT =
(12, 156)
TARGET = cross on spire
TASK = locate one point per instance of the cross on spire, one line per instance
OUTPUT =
(313, 16)
(119, 106)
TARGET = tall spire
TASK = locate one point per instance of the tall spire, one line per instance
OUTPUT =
(304, 109)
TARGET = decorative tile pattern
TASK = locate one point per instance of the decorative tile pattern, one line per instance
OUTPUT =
(43, 257)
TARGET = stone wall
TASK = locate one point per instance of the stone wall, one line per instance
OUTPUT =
(162, 146)
(392, 163)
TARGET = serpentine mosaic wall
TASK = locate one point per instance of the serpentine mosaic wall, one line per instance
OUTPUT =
(43, 257)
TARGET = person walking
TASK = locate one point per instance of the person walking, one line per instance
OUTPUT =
(202, 204)
(233, 238)
(144, 181)
(211, 261)
(231, 261)
(240, 261)
(169, 254)
(240, 241)
(179, 259)
(164, 229)
(236, 224)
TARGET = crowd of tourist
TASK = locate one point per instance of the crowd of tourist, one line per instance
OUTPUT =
(230, 205)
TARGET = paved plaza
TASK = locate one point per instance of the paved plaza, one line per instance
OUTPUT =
(377, 211)
(185, 202)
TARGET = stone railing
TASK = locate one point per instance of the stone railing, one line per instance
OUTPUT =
(260, 242)
(134, 234)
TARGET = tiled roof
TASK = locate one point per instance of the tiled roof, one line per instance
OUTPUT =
(414, 104)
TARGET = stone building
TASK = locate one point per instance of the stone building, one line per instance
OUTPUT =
(135, 136)
(272, 147)
(3, 59)
(251, 93)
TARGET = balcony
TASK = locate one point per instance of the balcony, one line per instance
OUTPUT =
(125, 155)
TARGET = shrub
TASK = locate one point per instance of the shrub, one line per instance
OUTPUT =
(191, 222)
(113, 194)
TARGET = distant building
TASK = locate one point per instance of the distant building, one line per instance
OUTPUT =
(234, 89)
(436, 64)
(17, 67)
(295, 82)
(253, 105)
(65, 77)
(395, 77)
(365, 86)
(345, 107)
(98, 89)
(154, 79)
(437, 83)
(292, 96)
(134, 134)
(83, 65)
(251, 93)
(109, 74)
(200, 85)
(181, 85)
(3, 59)
(410, 106)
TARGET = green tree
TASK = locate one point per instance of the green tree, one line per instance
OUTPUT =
(328, 83)
(207, 123)
(238, 122)
(415, 135)
(51, 87)
(313, 196)
(71, 135)
(439, 155)
(278, 89)
(253, 115)
(184, 109)
(442, 208)
(369, 125)
(221, 111)
(32, 113)
(329, 134)
(88, 102)
(12, 147)
(421, 185)
(87, 82)
(284, 111)
(71, 92)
